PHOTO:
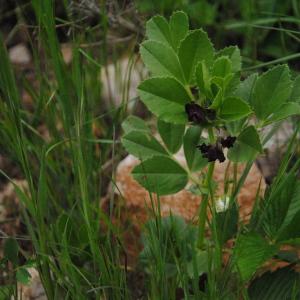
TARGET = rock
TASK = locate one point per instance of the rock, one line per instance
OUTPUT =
(66, 51)
(184, 203)
(120, 80)
(275, 150)
(19, 54)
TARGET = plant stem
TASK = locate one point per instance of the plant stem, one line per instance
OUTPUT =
(203, 205)
(188, 90)
(204, 202)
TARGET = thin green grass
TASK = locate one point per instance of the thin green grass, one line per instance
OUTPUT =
(75, 255)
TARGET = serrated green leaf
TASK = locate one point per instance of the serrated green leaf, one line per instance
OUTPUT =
(232, 82)
(157, 29)
(233, 53)
(203, 79)
(246, 87)
(133, 123)
(179, 27)
(271, 90)
(241, 153)
(295, 94)
(161, 60)
(170, 34)
(250, 252)
(221, 67)
(249, 136)
(222, 81)
(142, 145)
(165, 97)
(171, 134)
(286, 110)
(193, 156)
(217, 101)
(11, 250)
(234, 108)
(276, 285)
(193, 49)
(160, 175)
(244, 91)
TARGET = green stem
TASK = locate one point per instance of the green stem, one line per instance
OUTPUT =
(188, 90)
(204, 202)
(211, 135)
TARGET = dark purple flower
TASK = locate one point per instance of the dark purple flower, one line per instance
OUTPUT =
(203, 148)
(198, 114)
(212, 152)
(195, 113)
(228, 141)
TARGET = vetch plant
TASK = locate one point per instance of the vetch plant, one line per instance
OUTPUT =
(195, 89)
(201, 103)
